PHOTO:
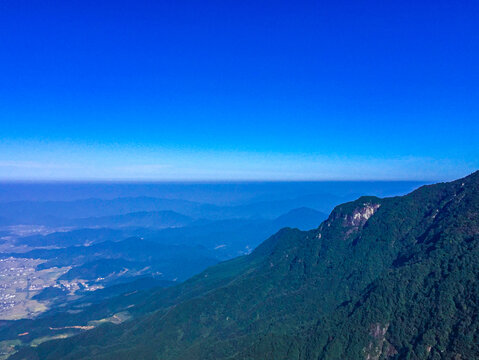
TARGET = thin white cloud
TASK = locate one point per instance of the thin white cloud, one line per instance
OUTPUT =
(33, 165)
(160, 164)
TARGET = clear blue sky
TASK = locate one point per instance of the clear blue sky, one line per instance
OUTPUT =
(223, 90)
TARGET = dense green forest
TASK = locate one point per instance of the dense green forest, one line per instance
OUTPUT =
(392, 278)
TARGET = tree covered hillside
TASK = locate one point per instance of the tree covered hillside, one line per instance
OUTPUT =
(392, 278)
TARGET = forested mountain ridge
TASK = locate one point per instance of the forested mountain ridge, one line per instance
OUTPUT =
(392, 278)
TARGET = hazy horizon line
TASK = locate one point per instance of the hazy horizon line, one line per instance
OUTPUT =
(208, 181)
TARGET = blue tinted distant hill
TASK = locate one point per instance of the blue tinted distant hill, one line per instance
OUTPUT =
(149, 219)
(226, 193)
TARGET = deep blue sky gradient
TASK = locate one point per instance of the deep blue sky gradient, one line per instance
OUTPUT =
(221, 90)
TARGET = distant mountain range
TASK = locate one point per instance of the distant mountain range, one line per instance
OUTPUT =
(392, 278)
(61, 213)
(132, 254)
(99, 212)
(229, 237)
(149, 219)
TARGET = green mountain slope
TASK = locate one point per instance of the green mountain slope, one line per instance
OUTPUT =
(391, 278)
